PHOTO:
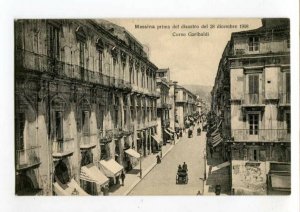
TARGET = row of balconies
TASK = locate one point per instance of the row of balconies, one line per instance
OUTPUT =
(264, 135)
(42, 63)
(259, 99)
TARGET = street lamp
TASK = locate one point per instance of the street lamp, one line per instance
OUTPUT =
(141, 175)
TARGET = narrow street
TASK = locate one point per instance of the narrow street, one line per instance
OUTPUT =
(162, 179)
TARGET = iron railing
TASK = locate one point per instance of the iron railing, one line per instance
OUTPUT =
(42, 63)
(266, 135)
(26, 158)
(253, 99)
(63, 146)
(284, 98)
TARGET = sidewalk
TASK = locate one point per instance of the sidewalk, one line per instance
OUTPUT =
(133, 177)
(217, 173)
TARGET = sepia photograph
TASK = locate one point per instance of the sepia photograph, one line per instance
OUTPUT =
(152, 106)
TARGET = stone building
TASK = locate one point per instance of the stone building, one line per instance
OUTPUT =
(257, 109)
(165, 130)
(185, 102)
(85, 104)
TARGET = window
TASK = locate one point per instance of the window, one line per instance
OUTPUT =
(58, 125)
(101, 118)
(288, 87)
(20, 126)
(81, 59)
(105, 152)
(253, 124)
(85, 122)
(100, 58)
(253, 88)
(253, 44)
(116, 118)
(288, 122)
(125, 117)
(53, 33)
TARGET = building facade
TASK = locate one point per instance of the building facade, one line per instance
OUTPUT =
(185, 102)
(257, 109)
(85, 93)
(164, 105)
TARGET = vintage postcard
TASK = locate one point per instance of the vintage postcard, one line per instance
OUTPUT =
(111, 107)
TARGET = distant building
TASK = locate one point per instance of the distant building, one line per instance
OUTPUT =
(251, 109)
(165, 131)
(185, 102)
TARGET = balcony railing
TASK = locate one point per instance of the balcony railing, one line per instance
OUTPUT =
(88, 141)
(63, 147)
(42, 63)
(253, 99)
(28, 158)
(265, 135)
(285, 98)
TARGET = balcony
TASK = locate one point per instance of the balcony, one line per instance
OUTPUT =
(88, 141)
(253, 100)
(284, 99)
(263, 135)
(42, 63)
(28, 158)
(63, 148)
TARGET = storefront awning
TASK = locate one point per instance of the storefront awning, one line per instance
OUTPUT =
(72, 188)
(171, 130)
(170, 134)
(111, 168)
(133, 153)
(281, 181)
(216, 140)
(92, 174)
(156, 138)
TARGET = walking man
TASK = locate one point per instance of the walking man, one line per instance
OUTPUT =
(122, 177)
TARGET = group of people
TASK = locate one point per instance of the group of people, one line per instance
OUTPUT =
(183, 167)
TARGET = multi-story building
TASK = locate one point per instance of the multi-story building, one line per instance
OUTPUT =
(185, 102)
(257, 62)
(85, 103)
(165, 131)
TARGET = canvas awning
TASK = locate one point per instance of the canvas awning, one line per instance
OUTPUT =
(280, 181)
(216, 140)
(170, 134)
(92, 174)
(171, 130)
(133, 153)
(71, 188)
(156, 138)
(111, 168)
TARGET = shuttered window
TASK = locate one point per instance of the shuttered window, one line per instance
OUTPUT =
(58, 125)
(253, 84)
(20, 126)
(253, 124)
(53, 41)
(253, 44)
(85, 122)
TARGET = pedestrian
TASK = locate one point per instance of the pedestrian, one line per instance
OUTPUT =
(198, 193)
(184, 166)
(158, 160)
(211, 150)
(105, 190)
(179, 168)
(122, 177)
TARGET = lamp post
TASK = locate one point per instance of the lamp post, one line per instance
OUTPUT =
(141, 174)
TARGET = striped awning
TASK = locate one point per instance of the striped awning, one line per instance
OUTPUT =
(156, 138)
(216, 140)
(72, 188)
(171, 130)
(92, 174)
(133, 153)
(170, 134)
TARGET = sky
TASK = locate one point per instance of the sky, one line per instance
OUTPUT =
(191, 59)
